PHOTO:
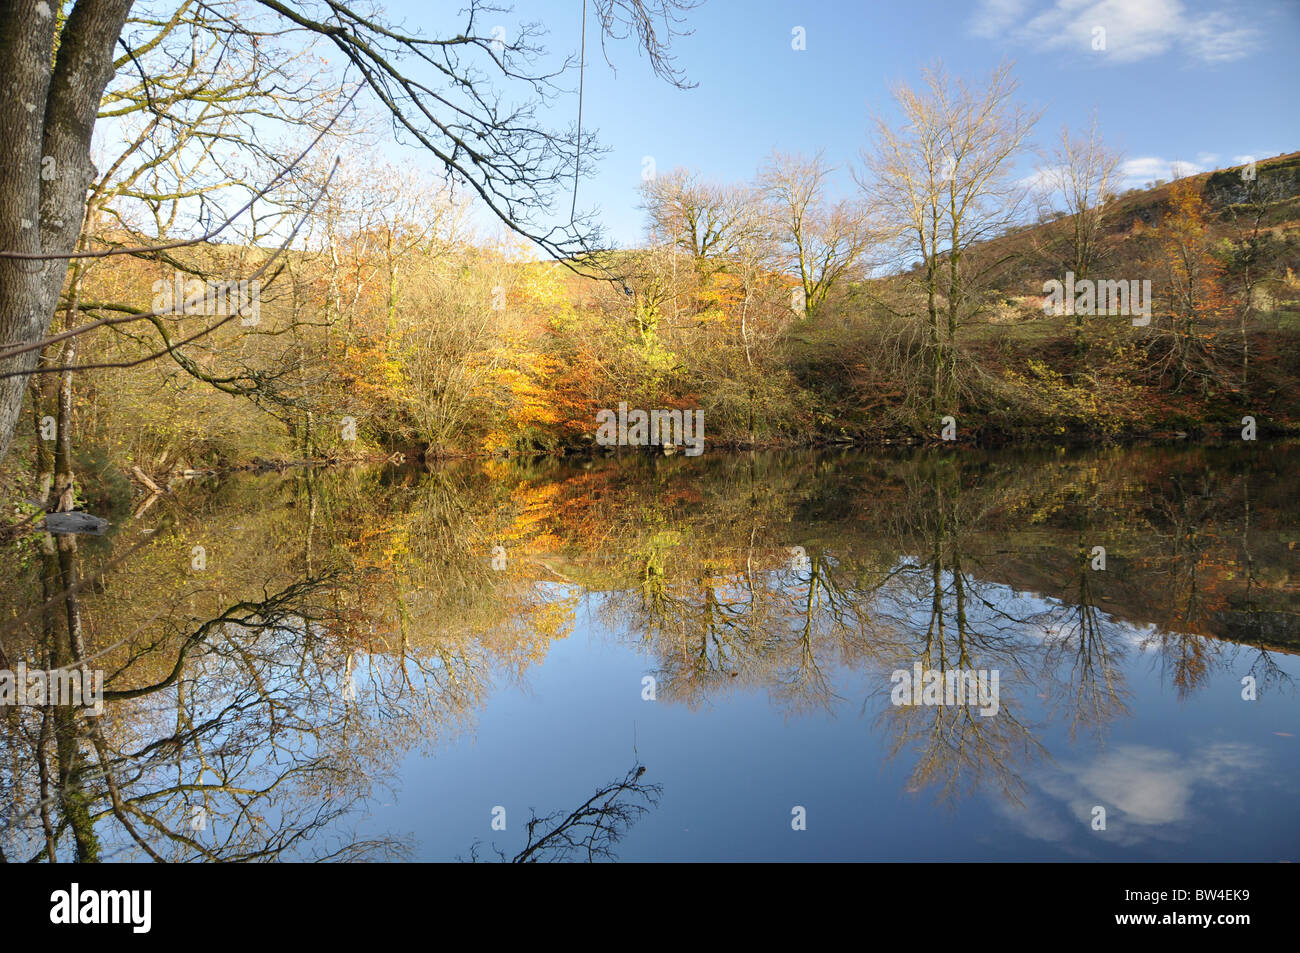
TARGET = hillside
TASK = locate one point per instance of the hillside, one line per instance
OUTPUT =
(1133, 214)
(1192, 370)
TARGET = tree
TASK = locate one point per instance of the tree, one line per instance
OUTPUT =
(944, 182)
(436, 90)
(186, 130)
(823, 243)
(1246, 216)
(48, 106)
(1194, 285)
(706, 220)
(1082, 173)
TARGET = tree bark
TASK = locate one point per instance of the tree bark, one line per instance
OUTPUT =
(48, 106)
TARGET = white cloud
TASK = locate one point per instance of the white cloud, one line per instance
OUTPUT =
(1037, 817)
(993, 17)
(1256, 156)
(1215, 39)
(1144, 785)
(1148, 792)
(1043, 179)
(1135, 173)
(1133, 29)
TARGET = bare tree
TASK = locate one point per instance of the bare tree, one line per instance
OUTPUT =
(824, 243)
(944, 181)
(1246, 210)
(706, 220)
(1083, 174)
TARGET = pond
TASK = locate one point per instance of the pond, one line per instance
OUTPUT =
(938, 654)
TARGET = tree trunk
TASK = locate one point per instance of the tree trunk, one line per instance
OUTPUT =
(48, 114)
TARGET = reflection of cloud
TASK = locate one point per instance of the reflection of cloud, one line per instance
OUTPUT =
(1145, 785)
(1134, 29)
(1224, 763)
(1119, 632)
(1144, 790)
(1036, 817)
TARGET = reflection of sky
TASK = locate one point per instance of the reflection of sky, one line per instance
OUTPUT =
(1150, 794)
(1207, 777)
(1211, 778)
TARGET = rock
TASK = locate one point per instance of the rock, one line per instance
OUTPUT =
(66, 524)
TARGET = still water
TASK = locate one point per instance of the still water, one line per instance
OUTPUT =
(677, 659)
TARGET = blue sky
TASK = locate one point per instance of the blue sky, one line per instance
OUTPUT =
(1201, 82)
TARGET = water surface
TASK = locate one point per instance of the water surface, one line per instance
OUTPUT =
(383, 663)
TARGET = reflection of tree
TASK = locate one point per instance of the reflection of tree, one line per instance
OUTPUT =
(699, 620)
(1085, 654)
(231, 732)
(1267, 673)
(935, 611)
(1188, 517)
(226, 687)
(1188, 659)
(233, 753)
(589, 832)
(802, 679)
(744, 618)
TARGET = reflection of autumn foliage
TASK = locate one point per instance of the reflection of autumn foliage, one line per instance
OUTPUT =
(386, 578)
